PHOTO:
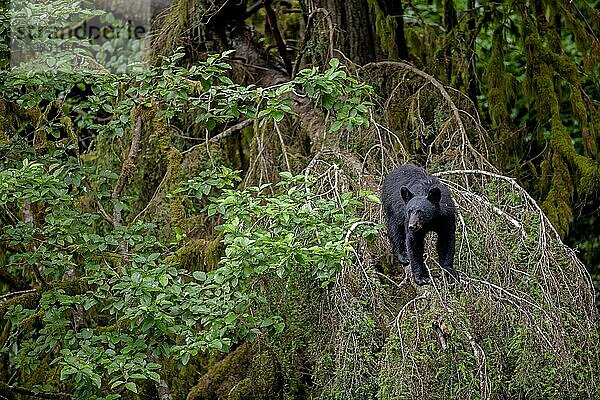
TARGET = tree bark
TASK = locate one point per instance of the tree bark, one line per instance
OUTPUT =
(354, 28)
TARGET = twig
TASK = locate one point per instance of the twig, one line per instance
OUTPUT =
(492, 207)
(253, 9)
(101, 209)
(103, 213)
(437, 327)
(154, 196)
(283, 148)
(513, 183)
(484, 383)
(434, 82)
(225, 133)
(423, 296)
(37, 269)
(353, 228)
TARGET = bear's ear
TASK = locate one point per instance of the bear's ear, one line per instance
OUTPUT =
(434, 195)
(406, 194)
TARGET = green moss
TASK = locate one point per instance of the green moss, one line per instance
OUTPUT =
(215, 249)
(180, 378)
(262, 381)
(70, 129)
(564, 164)
(589, 181)
(199, 254)
(557, 202)
(28, 301)
(4, 122)
(245, 373)
(111, 328)
(191, 256)
(385, 29)
(173, 173)
(9, 392)
(500, 82)
(173, 28)
(28, 323)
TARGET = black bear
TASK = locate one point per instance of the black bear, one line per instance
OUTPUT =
(416, 202)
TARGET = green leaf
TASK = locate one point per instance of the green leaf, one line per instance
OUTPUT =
(154, 376)
(286, 175)
(119, 205)
(336, 126)
(116, 383)
(65, 372)
(163, 279)
(131, 386)
(230, 318)
(373, 198)
(89, 303)
(309, 89)
(199, 275)
(136, 277)
(210, 124)
(327, 101)
(185, 358)
(86, 333)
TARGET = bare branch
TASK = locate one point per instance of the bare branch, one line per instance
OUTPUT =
(225, 133)
(281, 47)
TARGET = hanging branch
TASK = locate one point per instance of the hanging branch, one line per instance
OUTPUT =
(126, 171)
(281, 47)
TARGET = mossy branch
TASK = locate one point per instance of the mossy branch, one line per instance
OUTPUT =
(128, 165)
(9, 391)
(29, 299)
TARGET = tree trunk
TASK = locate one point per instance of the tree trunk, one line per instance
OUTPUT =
(354, 28)
(394, 8)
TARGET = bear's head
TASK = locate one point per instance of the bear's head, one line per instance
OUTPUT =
(421, 210)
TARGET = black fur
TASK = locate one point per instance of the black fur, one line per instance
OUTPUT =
(416, 202)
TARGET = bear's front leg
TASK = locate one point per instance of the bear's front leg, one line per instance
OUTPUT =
(415, 248)
(398, 239)
(445, 249)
